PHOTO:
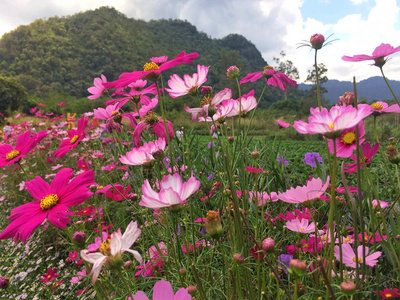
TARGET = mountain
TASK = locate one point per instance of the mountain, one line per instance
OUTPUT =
(373, 88)
(65, 54)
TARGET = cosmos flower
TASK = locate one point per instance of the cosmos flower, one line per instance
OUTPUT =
(50, 275)
(52, 202)
(301, 194)
(282, 124)
(368, 152)
(300, 226)
(379, 55)
(379, 107)
(187, 85)
(349, 257)
(145, 154)
(272, 77)
(111, 249)
(25, 144)
(98, 89)
(151, 71)
(163, 291)
(173, 192)
(346, 142)
(74, 137)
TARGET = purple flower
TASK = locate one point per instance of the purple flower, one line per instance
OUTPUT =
(310, 159)
(284, 260)
(282, 160)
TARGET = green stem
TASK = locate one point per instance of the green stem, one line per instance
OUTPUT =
(317, 80)
(390, 88)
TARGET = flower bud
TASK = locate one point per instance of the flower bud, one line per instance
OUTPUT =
(158, 153)
(182, 271)
(298, 267)
(392, 154)
(268, 245)
(128, 264)
(191, 289)
(347, 98)
(233, 72)
(231, 139)
(206, 90)
(348, 287)
(213, 224)
(397, 237)
(255, 154)
(79, 237)
(238, 258)
(317, 40)
(3, 282)
(133, 196)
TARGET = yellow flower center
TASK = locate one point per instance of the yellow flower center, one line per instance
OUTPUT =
(11, 155)
(349, 138)
(306, 246)
(206, 100)
(105, 248)
(48, 202)
(359, 260)
(377, 106)
(73, 139)
(302, 229)
(346, 239)
(114, 113)
(100, 187)
(48, 276)
(150, 66)
(388, 295)
(330, 124)
(266, 68)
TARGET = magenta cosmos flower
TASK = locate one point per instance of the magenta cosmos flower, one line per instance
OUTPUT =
(25, 143)
(187, 85)
(173, 192)
(98, 89)
(52, 202)
(163, 291)
(379, 107)
(282, 124)
(331, 123)
(349, 257)
(300, 226)
(378, 55)
(368, 152)
(74, 137)
(111, 249)
(111, 115)
(151, 70)
(346, 142)
(145, 154)
(314, 189)
(273, 78)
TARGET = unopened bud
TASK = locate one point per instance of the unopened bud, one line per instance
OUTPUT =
(3, 282)
(213, 224)
(233, 72)
(268, 245)
(79, 237)
(133, 196)
(182, 271)
(238, 258)
(348, 287)
(298, 267)
(397, 237)
(231, 139)
(191, 289)
(128, 264)
(317, 40)
(255, 154)
(206, 90)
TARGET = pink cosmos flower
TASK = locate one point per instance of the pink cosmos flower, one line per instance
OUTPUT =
(151, 70)
(98, 89)
(272, 77)
(243, 105)
(187, 85)
(159, 60)
(145, 154)
(379, 107)
(313, 190)
(50, 275)
(208, 104)
(25, 144)
(157, 124)
(346, 142)
(117, 192)
(379, 204)
(52, 202)
(378, 55)
(163, 291)
(173, 192)
(74, 137)
(261, 198)
(331, 123)
(300, 226)
(282, 124)
(349, 257)
(111, 249)
(111, 115)
(368, 153)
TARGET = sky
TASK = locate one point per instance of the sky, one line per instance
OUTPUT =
(354, 26)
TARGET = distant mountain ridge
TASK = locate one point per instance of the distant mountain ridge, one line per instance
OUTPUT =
(373, 88)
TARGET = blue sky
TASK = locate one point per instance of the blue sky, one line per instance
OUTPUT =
(272, 25)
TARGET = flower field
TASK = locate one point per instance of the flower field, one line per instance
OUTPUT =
(119, 203)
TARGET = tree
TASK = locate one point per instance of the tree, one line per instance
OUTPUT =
(311, 98)
(12, 95)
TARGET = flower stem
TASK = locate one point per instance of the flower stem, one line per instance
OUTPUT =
(390, 88)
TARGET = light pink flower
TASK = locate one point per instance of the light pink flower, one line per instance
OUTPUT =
(261, 198)
(332, 122)
(243, 105)
(145, 154)
(272, 77)
(378, 55)
(111, 250)
(52, 202)
(157, 124)
(300, 226)
(301, 194)
(349, 257)
(110, 114)
(282, 124)
(98, 88)
(173, 192)
(346, 142)
(163, 291)
(379, 107)
(379, 204)
(187, 85)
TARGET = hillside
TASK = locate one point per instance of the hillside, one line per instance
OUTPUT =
(64, 54)
(373, 88)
